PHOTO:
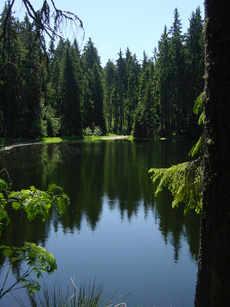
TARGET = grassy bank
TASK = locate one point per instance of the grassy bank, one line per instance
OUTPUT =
(49, 140)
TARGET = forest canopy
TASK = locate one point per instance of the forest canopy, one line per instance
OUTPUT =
(74, 94)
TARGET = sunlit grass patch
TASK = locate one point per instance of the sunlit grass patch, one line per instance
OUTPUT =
(51, 140)
(58, 139)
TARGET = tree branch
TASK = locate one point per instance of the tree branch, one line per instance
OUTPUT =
(26, 274)
(41, 22)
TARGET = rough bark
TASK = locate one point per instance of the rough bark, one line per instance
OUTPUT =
(213, 283)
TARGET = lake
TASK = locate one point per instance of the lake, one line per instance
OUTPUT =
(115, 230)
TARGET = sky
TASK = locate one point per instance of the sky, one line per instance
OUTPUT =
(114, 25)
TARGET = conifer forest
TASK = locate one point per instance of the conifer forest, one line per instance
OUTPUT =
(65, 91)
(51, 86)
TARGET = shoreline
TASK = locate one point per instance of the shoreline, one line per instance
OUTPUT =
(109, 138)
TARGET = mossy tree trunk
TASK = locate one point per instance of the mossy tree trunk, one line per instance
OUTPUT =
(213, 284)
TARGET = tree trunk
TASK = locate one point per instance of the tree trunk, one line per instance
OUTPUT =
(213, 283)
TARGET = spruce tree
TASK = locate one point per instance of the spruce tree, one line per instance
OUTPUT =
(87, 107)
(109, 97)
(31, 91)
(162, 70)
(121, 86)
(132, 87)
(97, 96)
(177, 79)
(144, 61)
(69, 97)
(10, 81)
(53, 93)
(146, 119)
(92, 100)
(194, 48)
(90, 55)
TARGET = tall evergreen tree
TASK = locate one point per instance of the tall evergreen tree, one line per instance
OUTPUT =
(162, 69)
(146, 117)
(90, 55)
(109, 94)
(78, 67)
(97, 97)
(177, 79)
(132, 87)
(70, 98)
(87, 106)
(53, 92)
(194, 66)
(10, 81)
(214, 273)
(121, 86)
(31, 91)
(92, 100)
(144, 61)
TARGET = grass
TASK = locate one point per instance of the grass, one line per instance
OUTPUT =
(58, 139)
(90, 295)
(48, 140)
(92, 138)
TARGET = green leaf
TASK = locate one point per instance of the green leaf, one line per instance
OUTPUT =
(35, 203)
(7, 252)
(16, 205)
(3, 186)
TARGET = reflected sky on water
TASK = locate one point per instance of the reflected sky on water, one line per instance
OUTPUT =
(114, 229)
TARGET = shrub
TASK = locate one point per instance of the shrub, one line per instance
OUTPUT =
(97, 131)
(87, 131)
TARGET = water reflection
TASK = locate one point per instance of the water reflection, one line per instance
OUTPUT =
(92, 172)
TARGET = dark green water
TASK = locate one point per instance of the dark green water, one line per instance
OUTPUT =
(115, 229)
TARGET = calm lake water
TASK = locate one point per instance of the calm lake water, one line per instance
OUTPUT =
(115, 230)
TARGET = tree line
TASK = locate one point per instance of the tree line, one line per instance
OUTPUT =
(66, 92)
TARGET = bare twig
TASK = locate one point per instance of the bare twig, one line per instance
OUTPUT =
(12, 287)
(41, 23)
(5, 281)
(8, 177)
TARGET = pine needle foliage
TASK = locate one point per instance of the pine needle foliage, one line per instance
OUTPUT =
(184, 180)
(198, 109)
(198, 147)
